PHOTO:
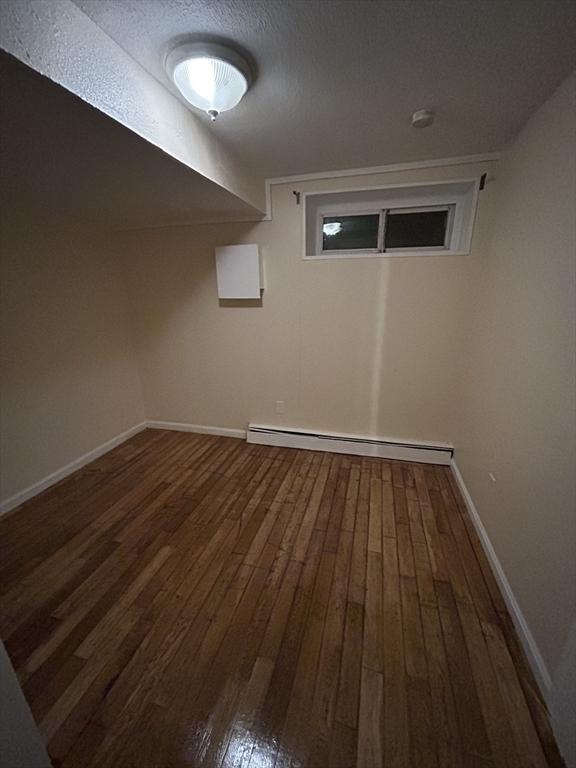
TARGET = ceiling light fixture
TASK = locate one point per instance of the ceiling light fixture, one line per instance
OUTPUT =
(210, 76)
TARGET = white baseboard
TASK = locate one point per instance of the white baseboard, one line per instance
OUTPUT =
(356, 445)
(526, 638)
(60, 474)
(200, 429)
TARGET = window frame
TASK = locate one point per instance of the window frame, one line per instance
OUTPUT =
(459, 196)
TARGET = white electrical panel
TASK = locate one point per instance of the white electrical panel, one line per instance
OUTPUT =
(238, 272)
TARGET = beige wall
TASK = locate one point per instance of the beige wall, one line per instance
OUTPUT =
(366, 346)
(69, 378)
(519, 410)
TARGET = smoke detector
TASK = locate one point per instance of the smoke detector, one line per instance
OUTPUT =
(422, 118)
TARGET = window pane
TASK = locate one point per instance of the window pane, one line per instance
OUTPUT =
(416, 230)
(350, 233)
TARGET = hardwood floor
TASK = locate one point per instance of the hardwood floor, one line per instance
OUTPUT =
(191, 600)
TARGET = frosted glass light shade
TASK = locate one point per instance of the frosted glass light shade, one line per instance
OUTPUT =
(211, 77)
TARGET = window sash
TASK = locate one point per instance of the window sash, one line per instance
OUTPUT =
(350, 214)
(449, 209)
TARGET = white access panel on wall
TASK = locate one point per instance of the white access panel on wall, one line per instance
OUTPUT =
(238, 272)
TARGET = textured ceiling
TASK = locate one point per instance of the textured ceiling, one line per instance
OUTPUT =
(338, 79)
(77, 162)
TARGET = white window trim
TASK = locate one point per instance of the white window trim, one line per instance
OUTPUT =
(459, 230)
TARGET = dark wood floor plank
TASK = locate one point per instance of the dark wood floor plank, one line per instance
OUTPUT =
(372, 653)
(357, 582)
(327, 678)
(370, 748)
(471, 723)
(528, 747)
(375, 511)
(448, 742)
(297, 734)
(396, 733)
(500, 734)
(351, 665)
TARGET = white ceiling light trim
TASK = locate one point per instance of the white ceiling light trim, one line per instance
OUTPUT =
(210, 76)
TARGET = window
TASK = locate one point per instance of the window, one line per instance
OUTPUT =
(414, 220)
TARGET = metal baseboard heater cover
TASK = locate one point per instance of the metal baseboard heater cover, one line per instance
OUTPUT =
(357, 445)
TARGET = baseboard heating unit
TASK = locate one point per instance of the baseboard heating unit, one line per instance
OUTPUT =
(357, 445)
